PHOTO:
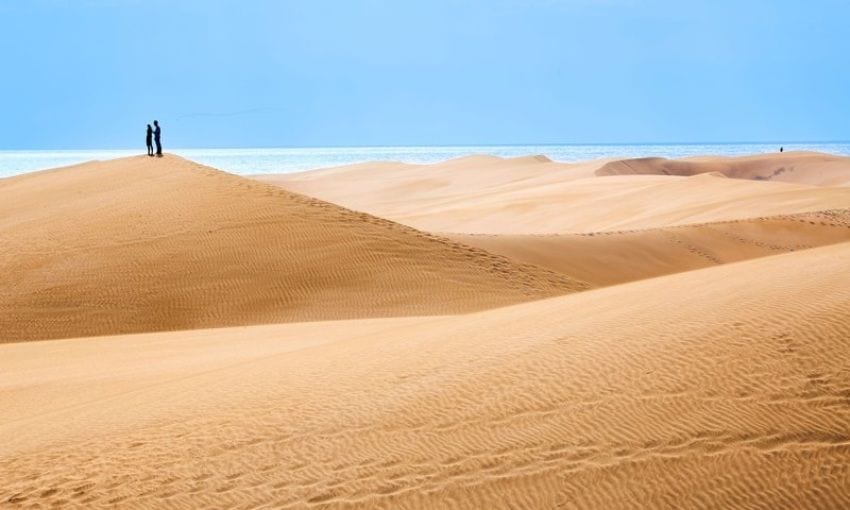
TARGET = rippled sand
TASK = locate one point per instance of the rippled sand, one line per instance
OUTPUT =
(593, 379)
(142, 244)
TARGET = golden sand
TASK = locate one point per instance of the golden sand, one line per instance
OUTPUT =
(143, 244)
(449, 377)
(486, 195)
(608, 258)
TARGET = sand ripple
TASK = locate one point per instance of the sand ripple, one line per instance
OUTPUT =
(721, 387)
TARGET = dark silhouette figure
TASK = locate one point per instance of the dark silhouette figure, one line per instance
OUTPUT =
(149, 140)
(782, 149)
(156, 135)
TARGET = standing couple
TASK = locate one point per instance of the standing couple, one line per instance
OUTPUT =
(154, 133)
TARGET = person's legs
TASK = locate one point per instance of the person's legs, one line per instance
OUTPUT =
(158, 148)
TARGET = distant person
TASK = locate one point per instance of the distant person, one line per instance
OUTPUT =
(156, 138)
(149, 140)
(782, 149)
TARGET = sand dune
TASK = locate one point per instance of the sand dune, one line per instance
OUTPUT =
(800, 167)
(398, 369)
(486, 195)
(723, 387)
(616, 257)
(144, 244)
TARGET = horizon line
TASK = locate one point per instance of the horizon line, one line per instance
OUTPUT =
(400, 146)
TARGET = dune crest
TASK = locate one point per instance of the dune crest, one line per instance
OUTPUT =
(798, 167)
(375, 365)
(609, 258)
(143, 244)
(716, 387)
(526, 196)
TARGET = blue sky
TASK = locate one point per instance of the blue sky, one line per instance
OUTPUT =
(221, 73)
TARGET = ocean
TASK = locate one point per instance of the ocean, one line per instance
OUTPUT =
(282, 160)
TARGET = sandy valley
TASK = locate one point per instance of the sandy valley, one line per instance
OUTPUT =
(479, 333)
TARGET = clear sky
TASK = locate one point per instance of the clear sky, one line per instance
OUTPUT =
(222, 73)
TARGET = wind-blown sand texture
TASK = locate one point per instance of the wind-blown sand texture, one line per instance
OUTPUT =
(532, 195)
(387, 367)
(800, 167)
(724, 387)
(608, 258)
(142, 244)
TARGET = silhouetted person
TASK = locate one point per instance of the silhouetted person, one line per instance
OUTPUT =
(156, 135)
(149, 140)
(782, 149)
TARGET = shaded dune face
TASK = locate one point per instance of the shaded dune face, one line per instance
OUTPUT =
(486, 195)
(383, 375)
(725, 387)
(139, 245)
(609, 258)
(800, 167)
(607, 222)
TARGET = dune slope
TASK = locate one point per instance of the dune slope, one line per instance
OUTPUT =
(800, 167)
(486, 195)
(610, 258)
(144, 244)
(725, 387)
